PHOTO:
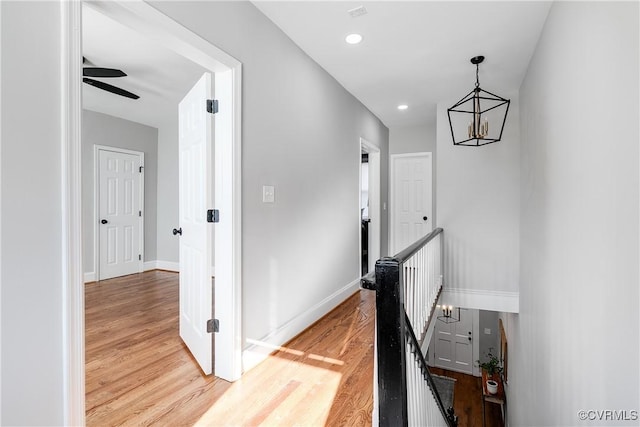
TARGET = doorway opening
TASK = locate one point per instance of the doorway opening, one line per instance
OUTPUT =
(142, 17)
(369, 216)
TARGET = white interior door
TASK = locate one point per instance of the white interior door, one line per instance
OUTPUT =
(196, 195)
(120, 198)
(411, 199)
(452, 343)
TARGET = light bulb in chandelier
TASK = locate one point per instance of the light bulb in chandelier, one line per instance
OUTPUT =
(479, 128)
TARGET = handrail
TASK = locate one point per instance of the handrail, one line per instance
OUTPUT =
(407, 287)
(410, 250)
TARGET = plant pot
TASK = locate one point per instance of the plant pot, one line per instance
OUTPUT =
(492, 386)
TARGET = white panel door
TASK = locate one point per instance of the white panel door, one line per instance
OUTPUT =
(411, 204)
(120, 213)
(452, 343)
(196, 194)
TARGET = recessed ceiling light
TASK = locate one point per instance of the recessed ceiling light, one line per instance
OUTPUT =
(403, 107)
(353, 38)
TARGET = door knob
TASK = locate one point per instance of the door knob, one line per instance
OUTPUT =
(425, 218)
(104, 221)
(177, 231)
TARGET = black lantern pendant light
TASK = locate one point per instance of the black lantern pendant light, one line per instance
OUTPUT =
(478, 118)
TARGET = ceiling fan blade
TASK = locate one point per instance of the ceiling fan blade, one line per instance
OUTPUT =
(110, 88)
(102, 72)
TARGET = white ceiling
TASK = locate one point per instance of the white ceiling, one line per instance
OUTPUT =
(414, 52)
(158, 75)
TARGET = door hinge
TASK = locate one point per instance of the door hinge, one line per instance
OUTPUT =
(139, 257)
(140, 169)
(213, 215)
(139, 213)
(212, 106)
(213, 325)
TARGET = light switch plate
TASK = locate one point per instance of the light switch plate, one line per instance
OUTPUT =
(487, 331)
(268, 194)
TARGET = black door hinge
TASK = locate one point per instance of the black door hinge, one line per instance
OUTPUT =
(139, 257)
(140, 169)
(213, 325)
(213, 215)
(212, 106)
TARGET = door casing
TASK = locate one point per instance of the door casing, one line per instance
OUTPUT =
(374, 204)
(138, 15)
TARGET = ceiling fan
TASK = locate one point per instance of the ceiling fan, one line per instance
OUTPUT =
(104, 73)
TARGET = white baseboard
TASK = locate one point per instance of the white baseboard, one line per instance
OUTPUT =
(259, 350)
(167, 265)
(148, 266)
(508, 302)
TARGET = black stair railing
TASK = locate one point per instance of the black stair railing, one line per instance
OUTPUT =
(407, 287)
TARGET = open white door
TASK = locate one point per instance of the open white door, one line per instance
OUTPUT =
(195, 187)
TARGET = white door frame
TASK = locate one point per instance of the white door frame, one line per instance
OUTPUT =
(96, 206)
(392, 194)
(144, 18)
(374, 204)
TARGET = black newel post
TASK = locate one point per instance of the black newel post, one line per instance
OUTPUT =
(390, 319)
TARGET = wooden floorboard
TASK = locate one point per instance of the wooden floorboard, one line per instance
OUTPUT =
(139, 373)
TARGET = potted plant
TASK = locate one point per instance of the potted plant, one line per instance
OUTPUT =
(493, 370)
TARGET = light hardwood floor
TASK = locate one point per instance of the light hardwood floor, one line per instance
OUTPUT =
(138, 372)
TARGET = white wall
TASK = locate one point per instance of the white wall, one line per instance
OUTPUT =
(31, 310)
(478, 207)
(574, 345)
(413, 139)
(168, 249)
(301, 134)
(102, 129)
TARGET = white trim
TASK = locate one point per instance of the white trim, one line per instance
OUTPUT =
(259, 350)
(167, 265)
(392, 249)
(147, 20)
(147, 266)
(508, 302)
(96, 204)
(150, 265)
(71, 227)
(374, 204)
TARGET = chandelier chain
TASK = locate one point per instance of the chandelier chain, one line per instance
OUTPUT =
(477, 78)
